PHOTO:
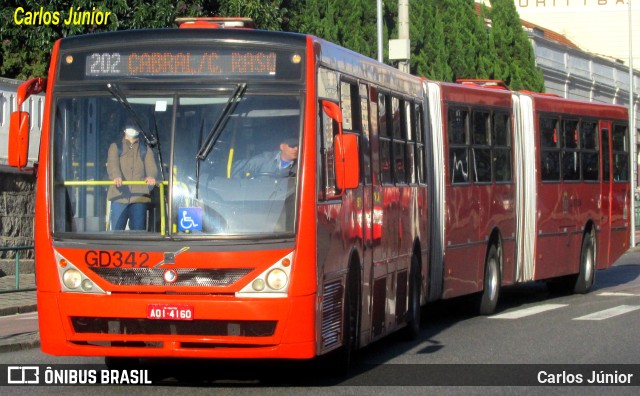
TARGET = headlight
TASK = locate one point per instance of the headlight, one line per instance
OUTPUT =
(72, 278)
(258, 285)
(272, 282)
(87, 285)
(277, 279)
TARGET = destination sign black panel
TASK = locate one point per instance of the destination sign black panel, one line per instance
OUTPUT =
(177, 63)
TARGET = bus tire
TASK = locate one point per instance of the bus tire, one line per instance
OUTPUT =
(491, 284)
(412, 330)
(587, 274)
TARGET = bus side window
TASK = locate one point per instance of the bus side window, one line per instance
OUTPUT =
(458, 128)
(399, 134)
(589, 154)
(501, 144)
(327, 156)
(408, 126)
(384, 110)
(365, 164)
(354, 104)
(620, 153)
(570, 147)
(549, 149)
(606, 176)
(416, 120)
(481, 146)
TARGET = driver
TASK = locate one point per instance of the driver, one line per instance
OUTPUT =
(279, 163)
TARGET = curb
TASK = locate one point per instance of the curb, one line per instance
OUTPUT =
(27, 341)
(8, 311)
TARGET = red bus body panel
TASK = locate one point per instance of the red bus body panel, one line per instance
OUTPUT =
(474, 210)
(565, 208)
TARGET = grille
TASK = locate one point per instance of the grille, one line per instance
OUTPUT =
(332, 314)
(133, 326)
(186, 276)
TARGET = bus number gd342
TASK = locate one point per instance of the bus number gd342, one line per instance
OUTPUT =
(105, 259)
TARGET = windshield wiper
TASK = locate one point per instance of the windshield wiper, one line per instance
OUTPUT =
(113, 88)
(216, 130)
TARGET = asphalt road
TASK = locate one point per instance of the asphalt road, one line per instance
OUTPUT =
(533, 331)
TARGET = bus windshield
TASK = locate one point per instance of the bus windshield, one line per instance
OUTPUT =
(220, 164)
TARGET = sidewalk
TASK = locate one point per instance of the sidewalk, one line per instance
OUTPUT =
(18, 302)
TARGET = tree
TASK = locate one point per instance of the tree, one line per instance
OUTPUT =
(26, 50)
(316, 17)
(459, 18)
(515, 60)
(429, 55)
(357, 30)
(349, 23)
(485, 52)
(267, 14)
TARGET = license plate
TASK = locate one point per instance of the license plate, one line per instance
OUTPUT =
(169, 312)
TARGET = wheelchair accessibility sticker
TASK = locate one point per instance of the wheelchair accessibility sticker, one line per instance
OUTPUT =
(189, 219)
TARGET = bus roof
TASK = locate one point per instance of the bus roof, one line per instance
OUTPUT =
(189, 36)
(556, 104)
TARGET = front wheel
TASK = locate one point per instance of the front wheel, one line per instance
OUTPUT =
(491, 292)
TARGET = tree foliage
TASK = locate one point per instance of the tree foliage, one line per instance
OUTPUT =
(26, 49)
(449, 39)
(267, 14)
(461, 39)
(515, 60)
(430, 55)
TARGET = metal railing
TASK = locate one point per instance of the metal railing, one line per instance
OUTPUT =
(17, 267)
(161, 185)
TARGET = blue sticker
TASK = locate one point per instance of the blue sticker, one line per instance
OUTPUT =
(189, 219)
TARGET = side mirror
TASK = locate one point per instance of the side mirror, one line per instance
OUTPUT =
(334, 112)
(19, 139)
(19, 124)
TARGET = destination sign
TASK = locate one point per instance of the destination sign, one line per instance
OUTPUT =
(223, 62)
(177, 63)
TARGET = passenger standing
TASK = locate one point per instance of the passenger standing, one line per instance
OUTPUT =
(130, 160)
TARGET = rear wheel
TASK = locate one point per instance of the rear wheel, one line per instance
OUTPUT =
(587, 275)
(413, 313)
(491, 292)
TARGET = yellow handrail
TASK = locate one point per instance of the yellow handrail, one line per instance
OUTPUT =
(161, 185)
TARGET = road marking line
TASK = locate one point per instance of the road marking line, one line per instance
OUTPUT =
(28, 316)
(622, 294)
(521, 313)
(609, 313)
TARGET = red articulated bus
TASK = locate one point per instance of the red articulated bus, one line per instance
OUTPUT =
(323, 254)
(524, 187)
(232, 262)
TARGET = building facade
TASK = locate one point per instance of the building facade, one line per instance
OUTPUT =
(597, 26)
